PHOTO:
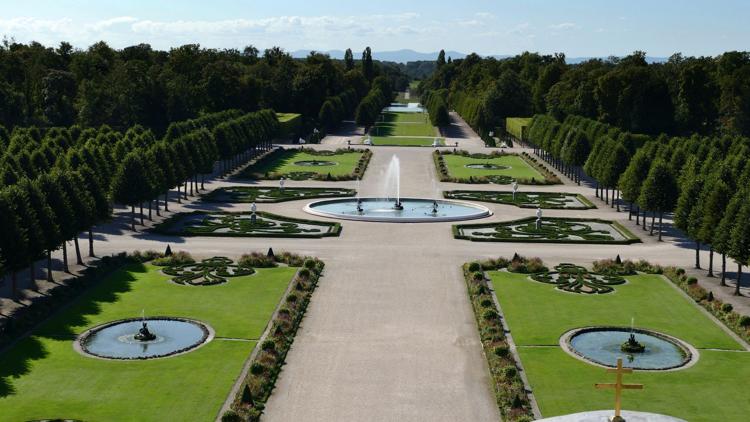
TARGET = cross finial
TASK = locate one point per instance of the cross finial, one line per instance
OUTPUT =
(619, 386)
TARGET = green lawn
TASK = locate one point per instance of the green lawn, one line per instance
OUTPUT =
(519, 169)
(396, 118)
(43, 377)
(284, 164)
(538, 315)
(403, 129)
(404, 141)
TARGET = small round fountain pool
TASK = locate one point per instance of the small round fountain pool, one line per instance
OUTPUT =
(412, 210)
(119, 339)
(604, 345)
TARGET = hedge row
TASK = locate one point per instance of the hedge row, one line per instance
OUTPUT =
(437, 107)
(270, 355)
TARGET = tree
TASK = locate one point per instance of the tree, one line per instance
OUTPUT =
(632, 179)
(440, 59)
(127, 184)
(717, 195)
(51, 186)
(13, 237)
(46, 219)
(691, 187)
(659, 193)
(367, 66)
(348, 59)
(723, 236)
(739, 248)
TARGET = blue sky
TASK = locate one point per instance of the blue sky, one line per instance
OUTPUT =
(575, 27)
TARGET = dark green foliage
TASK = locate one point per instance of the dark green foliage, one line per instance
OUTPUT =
(248, 194)
(553, 230)
(545, 200)
(225, 224)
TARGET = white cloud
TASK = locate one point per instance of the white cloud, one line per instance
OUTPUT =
(565, 26)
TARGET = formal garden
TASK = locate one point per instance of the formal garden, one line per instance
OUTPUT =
(48, 375)
(263, 194)
(305, 164)
(523, 199)
(548, 230)
(496, 167)
(404, 129)
(244, 224)
(538, 309)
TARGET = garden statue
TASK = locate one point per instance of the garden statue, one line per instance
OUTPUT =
(515, 189)
(253, 217)
(434, 207)
(538, 218)
(359, 206)
(281, 184)
(436, 143)
(143, 333)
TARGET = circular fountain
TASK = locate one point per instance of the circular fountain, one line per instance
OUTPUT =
(143, 338)
(639, 349)
(391, 207)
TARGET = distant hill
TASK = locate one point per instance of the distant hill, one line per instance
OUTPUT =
(407, 55)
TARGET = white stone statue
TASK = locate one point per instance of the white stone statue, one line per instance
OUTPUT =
(515, 189)
(281, 183)
(538, 218)
(253, 207)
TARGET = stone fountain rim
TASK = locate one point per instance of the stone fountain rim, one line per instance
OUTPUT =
(483, 212)
(208, 334)
(691, 353)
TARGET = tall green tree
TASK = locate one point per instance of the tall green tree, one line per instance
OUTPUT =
(659, 193)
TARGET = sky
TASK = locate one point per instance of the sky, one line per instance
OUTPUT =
(578, 28)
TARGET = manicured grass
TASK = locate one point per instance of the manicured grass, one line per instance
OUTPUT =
(284, 163)
(395, 118)
(552, 230)
(517, 126)
(239, 224)
(404, 141)
(403, 129)
(43, 377)
(519, 169)
(538, 315)
(413, 85)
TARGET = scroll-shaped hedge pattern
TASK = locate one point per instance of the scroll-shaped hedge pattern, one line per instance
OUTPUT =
(576, 279)
(208, 272)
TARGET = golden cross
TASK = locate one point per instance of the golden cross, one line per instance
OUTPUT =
(619, 386)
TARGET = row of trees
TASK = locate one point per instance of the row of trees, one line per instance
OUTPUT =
(437, 107)
(703, 180)
(77, 175)
(372, 104)
(43, 86)
(681, 96)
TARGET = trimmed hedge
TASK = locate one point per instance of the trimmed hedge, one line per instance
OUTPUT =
(445, 176)
(358, 173)
(270, 194)
(288, 225)
(510, 392)
(547, 200)
(593, 238)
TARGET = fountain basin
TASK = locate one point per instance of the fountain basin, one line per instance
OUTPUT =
(415, 210)
(601, 346)
(116, 340)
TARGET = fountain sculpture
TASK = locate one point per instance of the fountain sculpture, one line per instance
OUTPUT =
(144, 334)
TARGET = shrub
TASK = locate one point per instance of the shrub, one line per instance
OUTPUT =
(230, 416)
(257, 368)
(502, 351)
(292, 298)
(535, 265)
(692, 280)
(304, 273)
(486, 303)
(490, 314)
(268, 346)
(310, 264)
(745, 321)
(726, 308)
(256, 260)
(478, 276)
(510, 372)
(474, 267)
(178, 258)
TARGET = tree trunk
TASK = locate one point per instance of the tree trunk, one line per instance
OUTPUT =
(91, 243)
(179, 195)
(184, 191)
(32, 274)
(711, 261)
(79, 261)
(203, 181)
(141, 216)
(606, 195)
(49, 267)
(630, 211)
(149, 210)
(65, 256)
(739, 280)
(653, 220)
(166, 200)
(191, 185)
(645, 217)
(132, 220)
(697, 255)
(661, 214)
(597, 189)
(638, 216)
(723, 269)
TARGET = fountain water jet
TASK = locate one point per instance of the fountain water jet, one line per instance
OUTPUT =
(393, 182)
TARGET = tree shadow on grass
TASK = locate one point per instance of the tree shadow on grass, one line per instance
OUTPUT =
(15, 362)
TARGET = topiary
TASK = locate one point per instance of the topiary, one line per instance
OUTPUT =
(727, 308)
(474, 267)
(502, 351)
(486, 303)
(745, 321)
(231, 415)
(692, 280)
(509, 372)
